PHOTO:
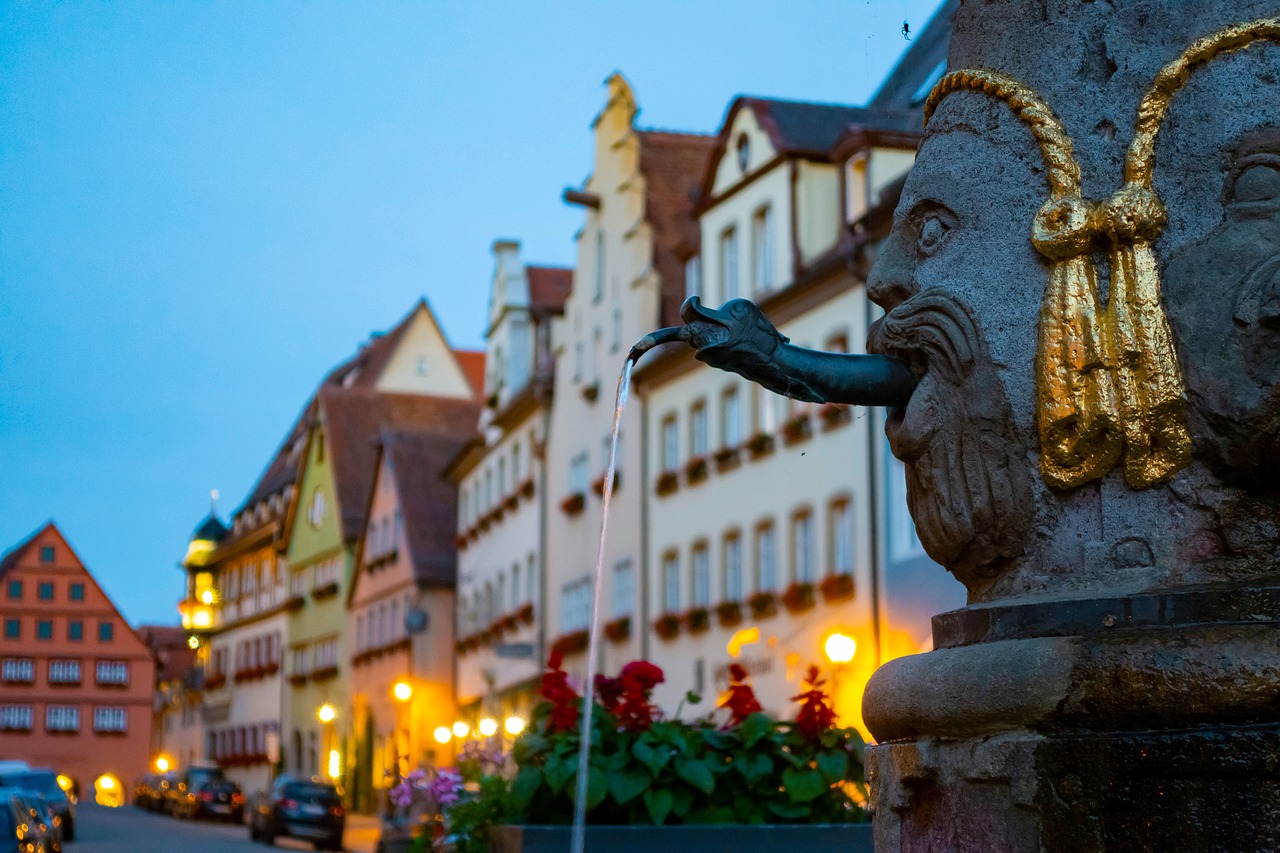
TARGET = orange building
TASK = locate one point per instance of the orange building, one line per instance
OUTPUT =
(76, 682)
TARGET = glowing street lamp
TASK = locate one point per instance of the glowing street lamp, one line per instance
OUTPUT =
(403, 691)
(442, 734)
(840, 648)
(162, 764)
(514, 725)
(461, 729)
(326, 713)
(488, 727)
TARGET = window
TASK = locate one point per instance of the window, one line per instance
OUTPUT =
(802, 547)
(671, 583)
(855, 187)
(317, 508)
(623, 588)
(531, 578)
(599, 278)
(502, 478)
(733, 567)
(109, 719)
(730, 418)
(575, 605)
(744, 152)
(62, 718)
(615, 342)
(762, 246)
(106, 631)
(12, 629)
(515, 464)
(578, 474)
(488, 488)
(577, 360)
(19, 670)
(15, 718)
(670, 444)
(327, 654)
(44, 629)
(698, 429)
(766, 558)
(302, 660)
(841, 537)
(46, 553)
(423, 366)
(75, 630)
(839, 342)
(766, 410)
(14, 590)
(693, 277)
(701, 575)
(64, 672)
(115, 673)
(729, 265)
(361, 645)
(44, 591)
(329, 572)
(76, 592)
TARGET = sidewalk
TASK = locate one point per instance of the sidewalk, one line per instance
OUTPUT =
(361, 834)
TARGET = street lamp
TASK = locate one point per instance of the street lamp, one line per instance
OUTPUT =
(840, 648)
(514, 725)
(326, 713)
(403, 691)
(488, 727)
(442, 734)
(162, 764)
(461, 729)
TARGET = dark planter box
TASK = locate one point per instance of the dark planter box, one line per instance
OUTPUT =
(844, 838)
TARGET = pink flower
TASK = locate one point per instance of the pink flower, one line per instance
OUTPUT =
(401, 795)
(446, 787)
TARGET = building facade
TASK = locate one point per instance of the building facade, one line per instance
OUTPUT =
(76, 682)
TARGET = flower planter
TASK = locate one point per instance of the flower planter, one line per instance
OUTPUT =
(696, 469)
(294, 603)
(298, 679)
(573, 504)
(729, 614)
(768, 838)
(760, 445)
(668, 482)
(728, 458)
(327, 591)
(591, 392)
(799, 597)
(837, 587)
(698, 619)
(511, 501)
(572, 643)
(324, 673)
(763, 604)
(667, 626)
(619, 629)
(597, 485)
(834, 415)
(526, 488)
(525, 614)
(798, 429)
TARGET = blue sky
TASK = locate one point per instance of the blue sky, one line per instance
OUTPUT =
(204, 206)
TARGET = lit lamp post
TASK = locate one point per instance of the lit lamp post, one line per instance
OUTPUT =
(839, 649)
(402, 691)
(326, 714)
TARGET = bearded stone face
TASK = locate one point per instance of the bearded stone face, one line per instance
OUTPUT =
(961, 289)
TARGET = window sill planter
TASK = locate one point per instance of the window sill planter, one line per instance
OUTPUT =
(837, 587)
(213, 682)
(294, 603)
(526, 488)
(763, 605)
(763, 838)
(696, 469)
(298, 679)
(460, 541)
(597, 485)
(525, 614)
(727, 458)
(571, 643)
(573, 504)
(324, 673)
(509, 622)
(798, 429)
(511, 501)
(668, 482)
(799, 597)
(667, 626)
(760, 445)
(484, 524)
(591, 392)
(835, 415)
(327, 591)
(698, 619)
(729, 614)
(619, 629)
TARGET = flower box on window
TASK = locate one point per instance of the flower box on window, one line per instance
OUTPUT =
(760, 444)
(798, 429)
(668, 482)
(496, 514)
(591, 392)
(324, 673)
(729, 613)
(799, 597)
(497, 629)
(763, 604)
(837, 587)
(294, 603)
(667, 626)
(834, 415)
(525, 613)
(511, 501)
(461, 646)
(460, 541)
(572, 642)
(597, 485)
(619, 629)
(698, 619)
(526, 488)
(573, 504)
(298, 679)
(214, 681)
(484, 637)
(727, 458)
(483, 523)
(697, 469)
(327, 591)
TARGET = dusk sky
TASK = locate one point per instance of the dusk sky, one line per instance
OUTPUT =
(203, 207)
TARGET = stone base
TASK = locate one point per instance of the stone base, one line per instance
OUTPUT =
(1208, 790)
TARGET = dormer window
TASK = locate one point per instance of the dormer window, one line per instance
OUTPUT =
(744, 152)
(422, 366)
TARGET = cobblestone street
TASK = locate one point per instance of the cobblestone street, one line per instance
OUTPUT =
(130, 830)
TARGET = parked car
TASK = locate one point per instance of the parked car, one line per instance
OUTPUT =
(180, 794)
(18, 831)
(297, 807)
(44, 781)
(213, 798)
(147, 794)
(42, 812)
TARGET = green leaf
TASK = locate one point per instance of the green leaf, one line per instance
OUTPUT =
(651, 756)
(753, 766)
(558, 771)
(524, 786)
(754, 727)
(716, 740)
(658, 801)
(803, 786)
(597, 787)
(789, 810)
(627, 782)
(681, 801)
(833, 765)
(696, 774)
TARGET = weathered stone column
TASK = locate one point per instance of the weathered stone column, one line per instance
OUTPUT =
(1086, 274)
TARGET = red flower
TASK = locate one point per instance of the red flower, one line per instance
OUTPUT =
(815, 715)
(556, 690)
(645, 674)
(741, 700)
(631, 705)
(608, 692)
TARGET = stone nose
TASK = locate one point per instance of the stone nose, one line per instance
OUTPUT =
(892, 278)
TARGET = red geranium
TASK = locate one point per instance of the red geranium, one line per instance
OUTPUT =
(627, 696)
(815, 716)
(608, 692)
(741, 700)
(556, 690)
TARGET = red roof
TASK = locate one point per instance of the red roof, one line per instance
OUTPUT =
(428, 501)
(549, 288)
(472, 363)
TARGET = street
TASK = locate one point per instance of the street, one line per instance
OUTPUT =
(131, 830)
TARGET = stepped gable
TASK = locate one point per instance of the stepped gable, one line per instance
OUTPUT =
(355, 417)
(672, 165)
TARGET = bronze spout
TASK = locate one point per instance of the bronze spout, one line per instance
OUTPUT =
(670, 334)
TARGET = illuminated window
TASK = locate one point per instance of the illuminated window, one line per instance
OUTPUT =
(19, 670)
(115, 673)
(109, 719)
(15, 718)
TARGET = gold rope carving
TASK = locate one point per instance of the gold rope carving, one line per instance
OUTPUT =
(1107, 381)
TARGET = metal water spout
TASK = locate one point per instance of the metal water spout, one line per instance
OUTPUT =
(737, 337)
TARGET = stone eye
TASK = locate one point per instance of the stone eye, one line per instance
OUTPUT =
(931, 233)
(1257, 183)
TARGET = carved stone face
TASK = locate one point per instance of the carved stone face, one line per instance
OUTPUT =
(961, 288)
(1223, 294)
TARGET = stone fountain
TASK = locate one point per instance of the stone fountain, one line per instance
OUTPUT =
(1081, 353)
